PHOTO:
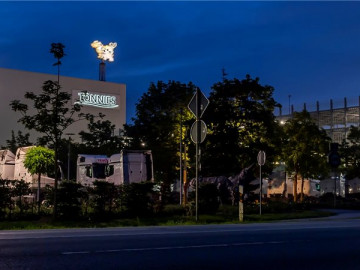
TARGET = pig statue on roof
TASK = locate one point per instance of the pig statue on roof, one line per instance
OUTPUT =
(104, 52)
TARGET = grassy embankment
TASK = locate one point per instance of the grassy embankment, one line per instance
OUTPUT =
(225, 215)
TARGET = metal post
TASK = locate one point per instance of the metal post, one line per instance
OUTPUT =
(68, 168)
(260, 191)
(102, 72)
(289, 104)
(181, 169)
(334, 188)
(69, 147)
(198, 131)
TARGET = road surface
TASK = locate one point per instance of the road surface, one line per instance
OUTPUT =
(328, 243)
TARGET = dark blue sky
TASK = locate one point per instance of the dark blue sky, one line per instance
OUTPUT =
(310, 50)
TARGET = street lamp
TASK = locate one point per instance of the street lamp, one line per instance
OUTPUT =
(69, 145)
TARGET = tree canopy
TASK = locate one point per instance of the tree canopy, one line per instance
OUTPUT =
(305, 148)
(240, 122)
(157, 125)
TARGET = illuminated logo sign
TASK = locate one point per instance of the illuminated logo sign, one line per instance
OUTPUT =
(96, 99)
(104, 52)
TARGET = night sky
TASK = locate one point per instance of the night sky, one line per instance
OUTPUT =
(309, 50)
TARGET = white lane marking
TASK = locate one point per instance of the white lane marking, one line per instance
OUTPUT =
(172, 248)
(75, 252)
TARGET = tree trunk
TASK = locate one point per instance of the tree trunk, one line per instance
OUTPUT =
(186, 186)
(38, 193)
(295, 186)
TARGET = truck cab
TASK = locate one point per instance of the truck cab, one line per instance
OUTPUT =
(91, 168)
(130, 166)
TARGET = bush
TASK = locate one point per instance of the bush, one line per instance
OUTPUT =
(208, 198)
(69, 199)
(103, 198)
(137, 198)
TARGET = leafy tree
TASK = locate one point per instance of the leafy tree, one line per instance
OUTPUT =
(350, 154)
(17, 141)
(38, 160)
(240, 122)
(100, 138)
(157, 127)
(305, 149)
(57, 49)
(52, 114)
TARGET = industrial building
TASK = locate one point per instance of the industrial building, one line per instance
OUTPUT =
(95, 97)
(335, 117)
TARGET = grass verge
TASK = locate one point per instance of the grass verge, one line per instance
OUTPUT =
(48, 223)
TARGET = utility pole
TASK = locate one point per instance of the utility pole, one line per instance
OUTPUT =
(69, 147)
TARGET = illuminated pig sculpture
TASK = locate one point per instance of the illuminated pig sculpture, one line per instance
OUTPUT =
(104, 52)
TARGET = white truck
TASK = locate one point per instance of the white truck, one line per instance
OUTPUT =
(129, 166)
(91, 168)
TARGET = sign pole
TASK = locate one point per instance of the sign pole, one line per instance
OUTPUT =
(197, 106)
(181, 163)
(260, 190)
(198, 131)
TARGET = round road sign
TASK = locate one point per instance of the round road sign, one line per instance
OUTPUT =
(203, 131)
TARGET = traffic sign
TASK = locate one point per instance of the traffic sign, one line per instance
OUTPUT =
(193, 131)
(261, 158)
(202, 99)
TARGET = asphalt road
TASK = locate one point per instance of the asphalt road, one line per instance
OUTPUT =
(330, 243)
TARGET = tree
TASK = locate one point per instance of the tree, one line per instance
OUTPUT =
(305, 149)
(350, 154)
(157, 127)
(52, 114)
(100, 138)
(240, 122)
(38, 160)
(17, 141)
(57, 49)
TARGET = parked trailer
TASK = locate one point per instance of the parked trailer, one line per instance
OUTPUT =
(130, 166)
(7, 164)
(91, 168)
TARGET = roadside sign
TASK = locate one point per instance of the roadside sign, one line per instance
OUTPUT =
(204, 102)
(261, 158)
(193, 131)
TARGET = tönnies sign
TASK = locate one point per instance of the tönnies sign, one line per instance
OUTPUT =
(100, 100)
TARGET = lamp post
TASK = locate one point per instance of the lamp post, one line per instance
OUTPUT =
(181, 163)
(69, 146)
